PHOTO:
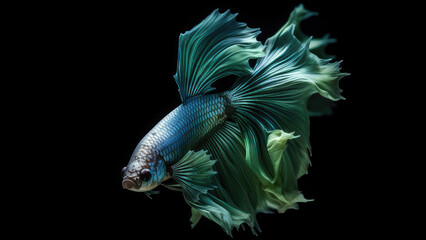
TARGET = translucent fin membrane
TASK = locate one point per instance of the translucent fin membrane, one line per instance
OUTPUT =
(275, 97)
(282, 191)
(217, 47)
(317, 105)
(237, 184)
(194, 174)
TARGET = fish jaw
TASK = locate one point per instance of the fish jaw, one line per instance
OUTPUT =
(145, 171)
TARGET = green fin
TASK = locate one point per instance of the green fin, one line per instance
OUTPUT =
(194, 174)
(219, 211)
(282, 192)
(201, 189)
(299, 14)
(317, 105)
(195, 217)
(239, 194)
(257, 155)
(275, 96)
(317, 45)
(238, 186)
(217, 47)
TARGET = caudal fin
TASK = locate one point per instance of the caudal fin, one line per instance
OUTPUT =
(275, 97)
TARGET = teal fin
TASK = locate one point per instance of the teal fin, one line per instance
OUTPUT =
(194, 174)
(238, 186)
(239, 194)
(317, 45)
(195, 217)
(299, 14)
(317, 105)
(275, 96)
(197, 179)
(282, 192)
(219, 211)
(207, 192)
(217, 47)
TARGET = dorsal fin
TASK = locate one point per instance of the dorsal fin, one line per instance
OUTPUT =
(217, 47)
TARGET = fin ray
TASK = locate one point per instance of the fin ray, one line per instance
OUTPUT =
(194, 174)
(282, 192)
(317, 105)
(217, 47)
(275, 96)
(195, 217)
(238, 193)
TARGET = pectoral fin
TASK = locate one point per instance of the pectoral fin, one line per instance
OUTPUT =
(194, 174)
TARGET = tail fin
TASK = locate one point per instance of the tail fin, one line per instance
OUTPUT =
(275, 96)
(317, 105)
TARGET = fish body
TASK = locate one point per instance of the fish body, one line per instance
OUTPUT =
(239, 152)
(177, 133)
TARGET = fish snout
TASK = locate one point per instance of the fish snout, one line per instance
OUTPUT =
(129, 184)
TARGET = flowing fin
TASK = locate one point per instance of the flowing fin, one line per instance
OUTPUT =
(194, 174)
(282, 192)
(317, 45)
(195, 217)
(217, 47)
(237, 184)
(275, 96)
(219, 211)
(317, 105)
(299, 14)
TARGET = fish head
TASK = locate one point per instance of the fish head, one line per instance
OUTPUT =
(144, 172)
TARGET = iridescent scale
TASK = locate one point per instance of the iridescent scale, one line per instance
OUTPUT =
(183, 128)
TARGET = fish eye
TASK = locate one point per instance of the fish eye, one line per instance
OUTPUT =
(145, 175)
(123, 171)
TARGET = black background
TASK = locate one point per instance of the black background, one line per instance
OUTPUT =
(115, 64)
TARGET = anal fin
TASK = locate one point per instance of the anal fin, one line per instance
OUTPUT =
(239, 193)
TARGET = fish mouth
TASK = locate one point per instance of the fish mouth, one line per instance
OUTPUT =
(129, 184)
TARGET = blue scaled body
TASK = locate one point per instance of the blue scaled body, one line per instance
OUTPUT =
(183, 128)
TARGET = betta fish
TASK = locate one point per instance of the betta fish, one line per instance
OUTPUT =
(239, 152)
